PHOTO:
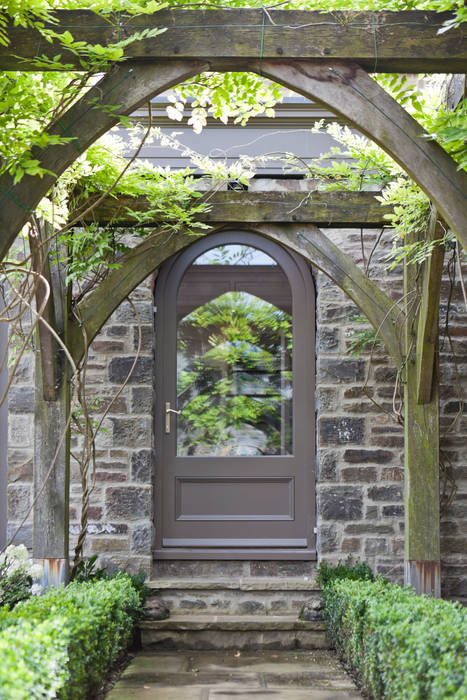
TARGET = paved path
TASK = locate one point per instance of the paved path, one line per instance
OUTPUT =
(221, 675)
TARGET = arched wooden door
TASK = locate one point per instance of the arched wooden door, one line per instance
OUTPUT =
(234, 427)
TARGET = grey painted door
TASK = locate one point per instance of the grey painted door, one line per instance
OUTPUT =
(234, 402)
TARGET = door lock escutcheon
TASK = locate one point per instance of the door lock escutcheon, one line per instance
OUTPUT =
(168, 411)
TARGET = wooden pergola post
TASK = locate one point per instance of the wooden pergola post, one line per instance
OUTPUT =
(51, 419)
(422, 284)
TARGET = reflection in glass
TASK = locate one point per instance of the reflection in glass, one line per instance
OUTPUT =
(234, 358)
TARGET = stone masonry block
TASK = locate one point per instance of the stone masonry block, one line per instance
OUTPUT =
(328, 339)
(142, 399)
(19, 499)
(368, 528)
(131, 432)
(351, 544)
(20, 466)
(393, 511)
(125, 313)
(327, 400)
(141, 466)
(128, 502)
(25, 369)
(21, 399)
(341, 503)
(373, 456)
(392, 474)
(338, 431)
(147, 338)
(386, 493)
(104, 346)
(327, 539)
(361, 474)
(119, 368)
(334, 313)
(24, 536)
(327, 461)
(116, 331)
(20, 430)
(142, 539)
(340, 370)
(375, 545)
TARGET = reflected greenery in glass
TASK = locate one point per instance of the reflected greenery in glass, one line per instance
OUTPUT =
(234, 378)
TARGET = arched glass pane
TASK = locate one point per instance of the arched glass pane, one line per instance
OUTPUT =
(234, 355)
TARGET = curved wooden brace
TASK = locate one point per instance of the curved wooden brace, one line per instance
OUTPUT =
(310, 242)
(307, 240)
(135, 266)
(349, 92)
(127, 86)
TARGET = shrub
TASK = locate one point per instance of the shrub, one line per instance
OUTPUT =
(33, 659)
(358, 571)
(399, 645)
(17, 575)
(95, 619)
(87, 570)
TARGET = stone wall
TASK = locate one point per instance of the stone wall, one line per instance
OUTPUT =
(359, 444)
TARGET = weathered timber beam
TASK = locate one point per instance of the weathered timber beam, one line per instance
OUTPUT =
(334, 208)
(126, 86)
(305, 239)
(350, 92)
(401, 42)
(47, 343)
(427, 328)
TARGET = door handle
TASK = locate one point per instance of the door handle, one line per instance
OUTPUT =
(168, 411)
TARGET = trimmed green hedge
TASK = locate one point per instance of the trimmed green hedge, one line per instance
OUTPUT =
(399, 645)
(62, 644)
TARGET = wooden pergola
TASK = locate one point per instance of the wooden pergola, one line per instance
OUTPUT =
(327, 58)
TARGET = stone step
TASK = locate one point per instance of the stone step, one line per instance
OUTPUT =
(241, 632)
(228, 569)
(252, 596)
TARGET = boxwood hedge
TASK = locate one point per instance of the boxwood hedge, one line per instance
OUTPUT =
(399, 645)
(61, 644)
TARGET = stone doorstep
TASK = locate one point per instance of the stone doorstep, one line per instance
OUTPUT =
(240, 584)
(225, 640)
(244, 596)
(239, 623)
(222, 632)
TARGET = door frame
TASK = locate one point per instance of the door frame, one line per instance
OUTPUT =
(299, 274)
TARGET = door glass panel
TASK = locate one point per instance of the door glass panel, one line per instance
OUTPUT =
(234, 355)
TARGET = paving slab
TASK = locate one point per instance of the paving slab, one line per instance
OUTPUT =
(148, 692)
(268, 675)
(266, 661)
(150, 664)
(193, 678)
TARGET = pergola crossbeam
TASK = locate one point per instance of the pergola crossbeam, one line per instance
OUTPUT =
(323, 208)
(402, 42)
